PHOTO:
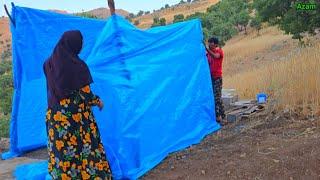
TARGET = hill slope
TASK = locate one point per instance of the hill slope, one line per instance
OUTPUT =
(104, 12)
(5, 35)
(145, 21)
(186, 9)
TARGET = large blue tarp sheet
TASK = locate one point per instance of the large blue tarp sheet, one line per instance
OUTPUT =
(155, 84)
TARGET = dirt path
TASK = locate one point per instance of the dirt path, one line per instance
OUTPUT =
(263, 147)
(280, 147)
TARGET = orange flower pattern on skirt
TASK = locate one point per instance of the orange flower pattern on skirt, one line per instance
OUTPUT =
(74, 143)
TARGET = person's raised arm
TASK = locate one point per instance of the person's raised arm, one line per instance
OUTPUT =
(211, 53)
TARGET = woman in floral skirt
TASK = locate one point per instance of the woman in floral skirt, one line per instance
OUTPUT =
(74, 143)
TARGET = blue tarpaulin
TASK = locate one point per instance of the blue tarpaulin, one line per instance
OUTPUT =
(155, 85)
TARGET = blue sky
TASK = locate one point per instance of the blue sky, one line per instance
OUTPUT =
(79, 5)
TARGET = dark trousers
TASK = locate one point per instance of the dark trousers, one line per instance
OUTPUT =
(217, 89)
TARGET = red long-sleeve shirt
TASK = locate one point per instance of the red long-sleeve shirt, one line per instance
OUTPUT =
(216, 63)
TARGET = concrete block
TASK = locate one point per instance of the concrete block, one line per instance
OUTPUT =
(229, 100)
(233, 117)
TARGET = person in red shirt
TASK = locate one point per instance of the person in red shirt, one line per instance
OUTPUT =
(215, 58)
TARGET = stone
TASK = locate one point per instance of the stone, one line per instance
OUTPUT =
(243, 155)
(203, 172)
(233, 117)
(276, 161)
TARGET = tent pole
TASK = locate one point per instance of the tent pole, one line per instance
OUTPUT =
(111, 7)
(7, 12)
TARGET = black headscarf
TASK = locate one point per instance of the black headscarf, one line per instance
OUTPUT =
(64, 70)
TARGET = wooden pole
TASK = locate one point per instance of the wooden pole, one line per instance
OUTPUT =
(7, 12)
(111, 7)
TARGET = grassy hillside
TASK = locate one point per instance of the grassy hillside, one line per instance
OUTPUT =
(145, 21)
(276, 64)
(186, 9)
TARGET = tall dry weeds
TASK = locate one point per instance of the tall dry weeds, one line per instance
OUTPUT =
(292, 84)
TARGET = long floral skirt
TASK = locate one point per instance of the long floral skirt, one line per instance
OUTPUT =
(74, 144)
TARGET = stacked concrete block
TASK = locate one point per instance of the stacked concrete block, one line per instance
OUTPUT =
(229, 97)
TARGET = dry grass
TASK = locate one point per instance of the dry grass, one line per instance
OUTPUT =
(185, 9)
(293, 83)
(244, 48)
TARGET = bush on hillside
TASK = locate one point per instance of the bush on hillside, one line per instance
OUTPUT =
(6, 55)
(158, 22)
(6, 92)
(178, 18)
(136, 22)
(86, 15)
(6, 85)
(256, 24)
(140, 13)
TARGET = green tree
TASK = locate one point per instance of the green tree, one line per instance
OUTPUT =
(256, 24)
(285, 14)
(136, 22)
(140, 13)
(242, 20)
(178, 18)
(195, 15)
(158, 22)
(223, 31)
(86, 15)
(6, 85)
(222, 19)
(6, 96)
(162, 22)
(131, 15)
(6, 55)
(167, 6)
(5, 66)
